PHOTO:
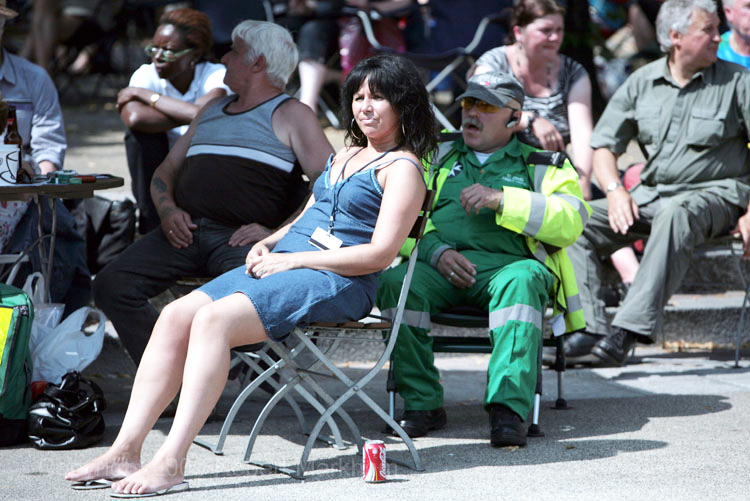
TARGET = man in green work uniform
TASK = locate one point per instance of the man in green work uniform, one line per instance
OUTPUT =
(501, 219)
(690, 112)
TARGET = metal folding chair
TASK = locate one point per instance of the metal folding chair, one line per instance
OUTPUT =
(316, 342)
(258, 375)
(730, 245)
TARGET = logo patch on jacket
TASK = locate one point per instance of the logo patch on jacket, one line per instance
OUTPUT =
(514, 180)
(456, 170)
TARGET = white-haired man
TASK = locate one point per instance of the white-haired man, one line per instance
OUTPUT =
(231, 178)
(689, 112)
(735, 43)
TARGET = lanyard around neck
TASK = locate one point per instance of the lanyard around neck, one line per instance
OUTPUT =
(341, 176)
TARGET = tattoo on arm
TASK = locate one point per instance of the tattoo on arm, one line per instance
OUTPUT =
(159, 184)
(167, 210)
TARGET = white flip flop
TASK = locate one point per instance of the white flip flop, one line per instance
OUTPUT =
(182, 486)
(86, 485)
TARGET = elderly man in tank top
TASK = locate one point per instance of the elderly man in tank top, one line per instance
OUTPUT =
(232, 178)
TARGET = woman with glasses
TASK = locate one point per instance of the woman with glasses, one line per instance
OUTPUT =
(557, 107)
(164, 96)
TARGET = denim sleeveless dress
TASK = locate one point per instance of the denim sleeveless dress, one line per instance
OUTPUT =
(302, 296)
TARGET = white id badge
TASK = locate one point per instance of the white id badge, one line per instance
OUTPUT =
(323, 240)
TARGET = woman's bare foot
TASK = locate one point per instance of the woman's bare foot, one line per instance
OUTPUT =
(112, 465)
(157, 475)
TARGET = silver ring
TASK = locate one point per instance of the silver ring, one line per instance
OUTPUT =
(451, 274)
(259, 273)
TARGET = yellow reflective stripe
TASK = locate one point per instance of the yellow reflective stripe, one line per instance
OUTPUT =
(577, 205)
(536, 214)
(518, 312)
(412, 318)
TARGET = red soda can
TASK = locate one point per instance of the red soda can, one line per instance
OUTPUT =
(373, 461)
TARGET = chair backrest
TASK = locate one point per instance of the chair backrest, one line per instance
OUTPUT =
(417, 230)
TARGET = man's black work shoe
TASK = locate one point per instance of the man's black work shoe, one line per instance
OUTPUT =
(506, 427)
(614, 350)
(418, 423)
(577, 347)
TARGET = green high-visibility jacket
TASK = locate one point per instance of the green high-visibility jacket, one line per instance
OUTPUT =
(551, 217)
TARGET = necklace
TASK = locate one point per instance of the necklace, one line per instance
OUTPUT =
(518, 50)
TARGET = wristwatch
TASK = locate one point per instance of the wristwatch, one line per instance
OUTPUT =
(613, 186)
(153, 99)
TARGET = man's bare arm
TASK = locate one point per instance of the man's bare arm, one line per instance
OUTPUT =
(297, 126)
(176, 224)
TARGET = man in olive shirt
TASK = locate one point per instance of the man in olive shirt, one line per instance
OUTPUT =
(690, 113)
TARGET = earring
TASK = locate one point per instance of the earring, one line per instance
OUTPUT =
(403, 131)
(192, 63)
(354, 131)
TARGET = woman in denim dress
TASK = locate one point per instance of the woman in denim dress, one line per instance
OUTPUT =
(322, 266)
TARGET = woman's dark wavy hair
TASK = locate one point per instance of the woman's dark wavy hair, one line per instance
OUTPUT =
(396, 79)
(195, 28)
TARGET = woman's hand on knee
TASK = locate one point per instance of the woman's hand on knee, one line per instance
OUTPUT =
(267, 264)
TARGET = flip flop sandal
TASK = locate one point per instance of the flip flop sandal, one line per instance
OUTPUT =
(85, 485)
(183, 486)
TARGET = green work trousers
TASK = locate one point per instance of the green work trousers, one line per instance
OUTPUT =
(514, 290)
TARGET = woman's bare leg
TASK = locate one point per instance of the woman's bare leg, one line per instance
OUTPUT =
(626, 263)
(216, 328)
(156, 384)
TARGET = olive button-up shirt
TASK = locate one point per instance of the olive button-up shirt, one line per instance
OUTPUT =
(694, 137)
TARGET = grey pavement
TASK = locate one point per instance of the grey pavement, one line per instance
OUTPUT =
(666, 426)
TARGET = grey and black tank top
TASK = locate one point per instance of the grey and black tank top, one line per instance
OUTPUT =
(237, 171)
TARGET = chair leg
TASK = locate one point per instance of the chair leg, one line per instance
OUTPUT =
(293, 383)
(325, 397)
(354, 388)
(740, 263)
(238, 402)
(534, 429)
(560, 403)
(390, 387)
(740, 326)
(276, 386)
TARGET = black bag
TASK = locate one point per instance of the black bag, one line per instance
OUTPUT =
(108, 226)
(68, 416)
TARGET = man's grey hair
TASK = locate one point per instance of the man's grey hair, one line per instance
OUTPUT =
(676, 15)
(272, 41)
